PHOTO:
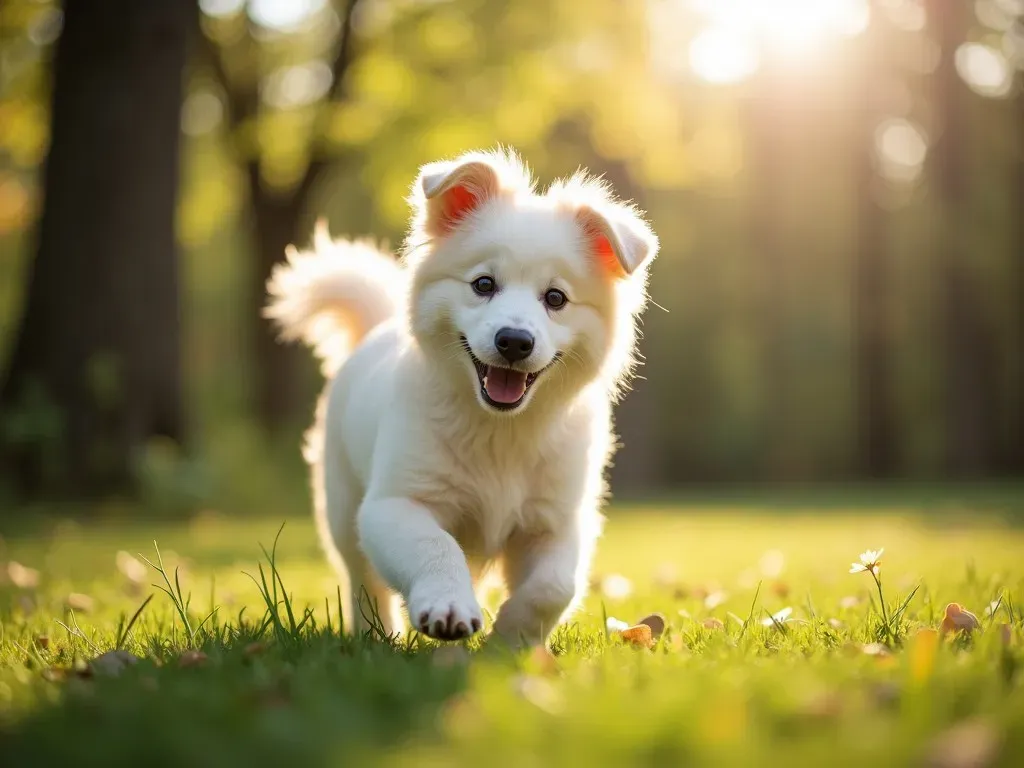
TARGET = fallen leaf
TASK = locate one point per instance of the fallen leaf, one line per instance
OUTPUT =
(77, 601)
(713, 623)
(958, 619)
(971, 744)
(192, 658)
(781, 589)
(640, 636)
(656, 622)
(112, 663)
(22, 576)
(43, 641)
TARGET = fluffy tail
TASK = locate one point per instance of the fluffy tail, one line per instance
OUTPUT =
(331, 297)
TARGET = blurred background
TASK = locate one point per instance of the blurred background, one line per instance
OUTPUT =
(838, 186)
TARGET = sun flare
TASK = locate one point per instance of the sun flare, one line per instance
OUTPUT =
(737, 33)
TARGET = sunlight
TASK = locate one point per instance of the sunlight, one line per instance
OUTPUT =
(738, 31)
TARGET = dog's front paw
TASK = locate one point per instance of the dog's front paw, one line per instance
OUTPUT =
(444, 612)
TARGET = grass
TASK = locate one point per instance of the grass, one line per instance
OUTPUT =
(240, 660)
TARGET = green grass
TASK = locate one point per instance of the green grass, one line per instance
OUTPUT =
(278, 685)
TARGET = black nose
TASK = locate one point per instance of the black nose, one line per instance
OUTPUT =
(514, 344)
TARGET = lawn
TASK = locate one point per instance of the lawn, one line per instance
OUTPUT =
(231, 681)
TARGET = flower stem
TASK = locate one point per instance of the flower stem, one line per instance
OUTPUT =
(881, 602)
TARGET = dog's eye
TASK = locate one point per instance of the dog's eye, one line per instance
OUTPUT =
(555, 299)
(484, 286)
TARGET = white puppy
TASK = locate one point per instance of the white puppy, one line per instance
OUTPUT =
(468, 416)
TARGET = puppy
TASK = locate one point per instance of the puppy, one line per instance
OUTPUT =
(467, 418)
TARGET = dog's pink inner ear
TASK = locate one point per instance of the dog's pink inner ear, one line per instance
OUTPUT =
(595, 230)
(458, 201)
(605, 254)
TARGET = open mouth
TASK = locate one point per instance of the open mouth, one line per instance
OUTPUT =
(502, 388)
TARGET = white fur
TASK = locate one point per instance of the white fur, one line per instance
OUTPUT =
(419, 483)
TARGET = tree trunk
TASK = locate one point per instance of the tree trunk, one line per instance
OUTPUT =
(971, 402)
(277, 394)
(766, 136)
(1016, 458)
(875, 410)
(96, 368)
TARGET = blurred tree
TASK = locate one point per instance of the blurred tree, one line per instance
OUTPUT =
(877, 439)
(95, 367)
(278, 199)
(970, 365)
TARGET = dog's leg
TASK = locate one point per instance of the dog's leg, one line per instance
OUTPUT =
(422, 561)
(543, 577)
(365, 597)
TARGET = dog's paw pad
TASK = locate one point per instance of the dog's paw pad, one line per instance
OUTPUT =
(450, 620)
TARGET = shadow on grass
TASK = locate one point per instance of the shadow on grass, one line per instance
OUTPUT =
(320, 701)
(283, 689)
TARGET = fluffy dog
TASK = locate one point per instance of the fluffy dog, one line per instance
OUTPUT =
(467, 418)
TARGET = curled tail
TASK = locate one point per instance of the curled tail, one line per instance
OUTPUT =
(331, 297)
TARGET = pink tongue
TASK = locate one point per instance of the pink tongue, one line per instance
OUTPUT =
(504, 385)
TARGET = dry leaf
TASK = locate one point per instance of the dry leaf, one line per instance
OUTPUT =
(973, 744)
(713, 623)
(781, 589)
(77, 601)
(958, 619)
(22, 576)
(192, 658)
(640, 636)
(656, 622)
(43, 641)
(112, 663)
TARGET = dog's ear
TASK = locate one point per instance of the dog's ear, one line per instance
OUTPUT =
(619, 240)
(453, 191)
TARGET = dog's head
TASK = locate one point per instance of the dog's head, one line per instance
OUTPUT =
(521, 295)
